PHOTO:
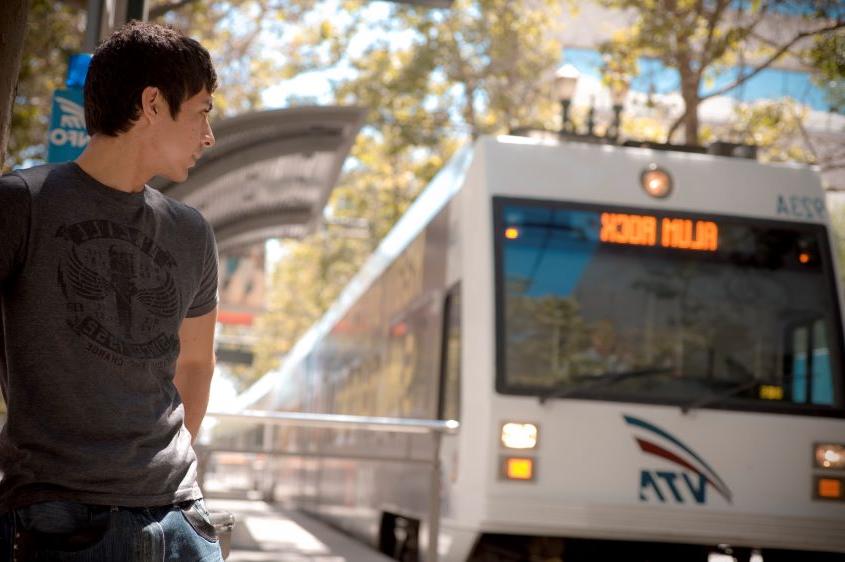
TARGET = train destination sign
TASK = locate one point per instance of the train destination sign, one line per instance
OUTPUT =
(667, 232)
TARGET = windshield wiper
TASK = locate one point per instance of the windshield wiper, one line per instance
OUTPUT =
(748, 381)
(602, 380)
(717, 396)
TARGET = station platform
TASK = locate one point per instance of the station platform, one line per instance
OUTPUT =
(273, 533)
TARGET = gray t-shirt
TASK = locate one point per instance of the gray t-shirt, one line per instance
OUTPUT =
(94, 285)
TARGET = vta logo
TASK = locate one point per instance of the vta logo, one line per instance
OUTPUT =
(71, 127)
(691, 483)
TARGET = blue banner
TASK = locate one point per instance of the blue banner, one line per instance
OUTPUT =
(67, 137)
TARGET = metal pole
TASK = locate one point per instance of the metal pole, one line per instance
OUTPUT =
(93, 25)
(434, 507)
(436, 428)
(564, 116)
(104, 16)
(340, 421)
(267, 437)
(137, 10)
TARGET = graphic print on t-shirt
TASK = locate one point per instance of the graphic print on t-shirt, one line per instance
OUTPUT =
(120, 291)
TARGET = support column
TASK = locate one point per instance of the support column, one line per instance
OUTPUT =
(104, 16)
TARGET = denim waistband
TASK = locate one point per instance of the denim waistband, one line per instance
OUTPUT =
(96, 508)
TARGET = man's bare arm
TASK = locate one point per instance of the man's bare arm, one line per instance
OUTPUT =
(195, 367)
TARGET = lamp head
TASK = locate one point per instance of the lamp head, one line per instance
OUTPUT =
(566, 79)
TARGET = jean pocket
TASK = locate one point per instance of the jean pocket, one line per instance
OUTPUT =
(199, 521)
(58, 532)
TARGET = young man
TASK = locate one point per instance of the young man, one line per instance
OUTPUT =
(108, 292)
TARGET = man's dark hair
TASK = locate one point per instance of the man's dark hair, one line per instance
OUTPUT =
(138, 55)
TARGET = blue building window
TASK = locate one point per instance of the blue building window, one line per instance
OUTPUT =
(770, 84)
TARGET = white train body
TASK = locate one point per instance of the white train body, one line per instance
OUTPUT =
(683, 455)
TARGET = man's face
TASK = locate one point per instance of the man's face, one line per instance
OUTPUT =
(179, 142)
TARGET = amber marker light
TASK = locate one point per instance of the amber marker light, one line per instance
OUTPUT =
(519, 468)
(771, 392)
(656, 181)
(829, 488)
(511, 233)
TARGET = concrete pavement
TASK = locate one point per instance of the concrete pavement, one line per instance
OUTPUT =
(270, 533)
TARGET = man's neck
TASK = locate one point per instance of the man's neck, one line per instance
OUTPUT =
(114, 162)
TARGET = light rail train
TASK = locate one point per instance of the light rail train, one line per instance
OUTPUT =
(643, 347)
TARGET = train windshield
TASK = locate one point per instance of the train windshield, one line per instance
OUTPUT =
(673, 308)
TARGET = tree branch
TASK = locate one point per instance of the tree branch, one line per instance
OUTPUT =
(676, 124)
(163, 9)
(240, 48)
(711, 31)
(721, 46)
(807, 141)
(768, 62)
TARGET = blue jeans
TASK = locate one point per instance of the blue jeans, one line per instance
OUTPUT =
(62, 531)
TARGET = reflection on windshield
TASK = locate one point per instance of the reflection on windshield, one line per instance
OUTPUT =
(757, 314)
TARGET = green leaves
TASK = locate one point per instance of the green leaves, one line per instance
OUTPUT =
(431, 80)
(55, 32)
(700, 39)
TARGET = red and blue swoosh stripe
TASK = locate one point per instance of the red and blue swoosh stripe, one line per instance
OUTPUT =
(699, 467)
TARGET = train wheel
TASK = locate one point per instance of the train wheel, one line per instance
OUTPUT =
(387, 534)
(399, 537)
(409, 549)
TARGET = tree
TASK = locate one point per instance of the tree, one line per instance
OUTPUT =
(485, 66)
(700, 39)
(232, 30)
(13, 16)
(239, 35)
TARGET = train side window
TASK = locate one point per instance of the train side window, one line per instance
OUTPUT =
(809, 364)
(450, 365)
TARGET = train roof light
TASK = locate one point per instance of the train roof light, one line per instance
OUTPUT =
(656, 181)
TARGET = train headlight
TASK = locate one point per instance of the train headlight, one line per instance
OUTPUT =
(830, 455)
(656, 181)
(519, 435)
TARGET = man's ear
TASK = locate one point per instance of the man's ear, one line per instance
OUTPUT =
(151, 103)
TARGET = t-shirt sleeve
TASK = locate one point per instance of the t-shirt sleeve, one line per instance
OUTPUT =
(15, 208)
(206, 298)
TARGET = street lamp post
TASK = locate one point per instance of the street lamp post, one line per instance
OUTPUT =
(566, 79)
(618, 92)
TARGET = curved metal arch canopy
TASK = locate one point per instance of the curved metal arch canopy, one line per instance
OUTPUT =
(269, 173)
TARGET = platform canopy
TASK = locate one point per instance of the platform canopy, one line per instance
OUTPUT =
(269, 173)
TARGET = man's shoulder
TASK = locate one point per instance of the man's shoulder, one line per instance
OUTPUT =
(180, 209)
(32, 179)
(22, 184)
(15, 195)
(33, 176)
